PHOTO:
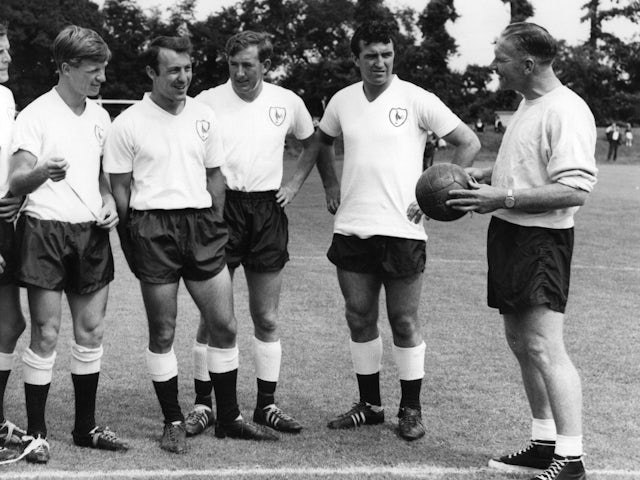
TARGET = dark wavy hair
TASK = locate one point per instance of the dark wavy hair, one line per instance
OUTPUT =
(177, 44)
(374, 31)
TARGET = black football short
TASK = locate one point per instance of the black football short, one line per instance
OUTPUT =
(173, 244)
(74, 257)
(9, 251)
(528, 266)
(258, 231)
(389, 257)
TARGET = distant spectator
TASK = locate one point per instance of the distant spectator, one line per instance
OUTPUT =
(497, 125)
(628, 136)
(613, 137)
(479, 125)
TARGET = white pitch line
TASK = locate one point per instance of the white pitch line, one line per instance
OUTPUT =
(477, 262)
(422, 471)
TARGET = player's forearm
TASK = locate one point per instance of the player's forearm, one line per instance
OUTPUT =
(549, 197)
(326, 165)
(306, 161)
(216, 188)
(105, 190)
(121, 194)
(24, 180)
(466, 153)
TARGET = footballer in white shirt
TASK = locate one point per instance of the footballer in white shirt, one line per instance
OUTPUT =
(257, 117)
(64, 231)
(378, 241)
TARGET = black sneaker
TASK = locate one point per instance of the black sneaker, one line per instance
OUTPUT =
(272, 416)
(564, 468)
(244, 430)
(198, 420)
(174, 438)
(534, 458)
(101, 438)
(360, 414)
(410, 426)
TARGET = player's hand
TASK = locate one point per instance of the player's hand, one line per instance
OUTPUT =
(108, 217)
(479, 198)
(9, 208)
(2, 264)
(56, 168)
(414, 213)
(286, 194)
(332, 195)
(478, 174)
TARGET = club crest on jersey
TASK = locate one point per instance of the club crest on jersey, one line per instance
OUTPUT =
(99, 131)
(277, 115)
(397, 116)
(202, 127)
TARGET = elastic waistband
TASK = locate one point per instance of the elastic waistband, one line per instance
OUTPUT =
(177, 211)
(264, 195)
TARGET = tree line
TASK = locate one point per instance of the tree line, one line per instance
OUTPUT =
(312, 55)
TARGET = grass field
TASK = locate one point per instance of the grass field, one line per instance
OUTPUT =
(474, 406)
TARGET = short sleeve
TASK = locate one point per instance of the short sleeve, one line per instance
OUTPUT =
(330, 122)
(434, 115)
(27, 134)
(119, 147)
(302, 126)
(215, 156)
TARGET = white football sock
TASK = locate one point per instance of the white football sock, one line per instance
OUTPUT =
(543, 429)
(162, 366)
(268, 356)
(200, 371)
(223, 360)
(84, 360)
(366, 356)
(37, 370)
(410, 361)
(569, 446)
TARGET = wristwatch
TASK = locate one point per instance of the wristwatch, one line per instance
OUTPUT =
(509, 200)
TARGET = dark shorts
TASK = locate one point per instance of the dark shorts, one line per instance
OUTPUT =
(528, 266)
(390, 257)
(170, 244)
(74, 257)
(258, 231)
(9, 251)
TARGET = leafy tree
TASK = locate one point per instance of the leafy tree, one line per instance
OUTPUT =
(128, 28)
(520, 10)
(32, 29)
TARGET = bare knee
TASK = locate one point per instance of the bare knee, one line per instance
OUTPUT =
(90, 334)
(44, 339)
(362, 324)
(516, 344)
(265, 326)
(161, 338)
(11, 329)
(222, 332)
(405, 329)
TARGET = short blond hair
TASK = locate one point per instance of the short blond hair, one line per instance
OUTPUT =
(75, 44)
